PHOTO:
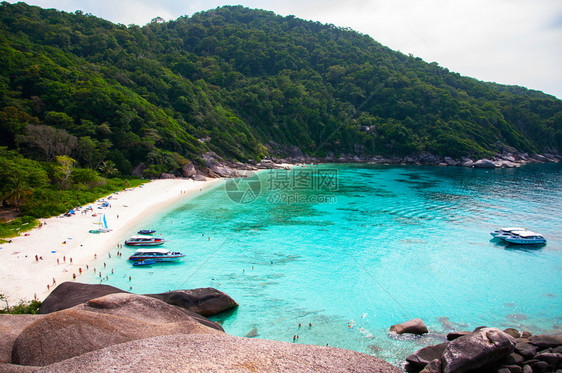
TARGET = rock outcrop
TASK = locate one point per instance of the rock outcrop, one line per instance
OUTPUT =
(219, 353)
(483, 348)
(490, 350)
(129, 332)
(414, 326)
(204, 301)
(102, 322)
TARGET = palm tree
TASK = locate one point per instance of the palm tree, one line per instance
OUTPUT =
(108, 168)
(16, 192)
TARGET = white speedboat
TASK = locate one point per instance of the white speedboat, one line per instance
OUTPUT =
(525, 238)
(506, 232)
(141, 240)
(158, 255)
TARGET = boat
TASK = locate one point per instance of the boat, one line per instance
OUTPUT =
(158, 255)
(525, 238)
(144, 262)
(144, 241)
(506, 232)
(146, 231)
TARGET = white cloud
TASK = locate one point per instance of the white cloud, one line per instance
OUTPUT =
(507, 41)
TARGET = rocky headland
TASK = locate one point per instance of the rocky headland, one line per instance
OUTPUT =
(214, 166)
(490, 350)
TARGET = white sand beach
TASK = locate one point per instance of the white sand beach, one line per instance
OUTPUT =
(23, 277)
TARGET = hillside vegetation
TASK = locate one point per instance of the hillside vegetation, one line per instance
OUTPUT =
(245, 84)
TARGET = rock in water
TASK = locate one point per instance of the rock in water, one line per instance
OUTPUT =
(415, 326)
(512, 332)
(483, 348)
(69, 294)
(204, 301)
(252, 333)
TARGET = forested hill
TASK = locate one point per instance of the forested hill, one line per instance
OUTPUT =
(243, 83)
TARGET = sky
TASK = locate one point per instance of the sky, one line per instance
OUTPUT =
(516, 42)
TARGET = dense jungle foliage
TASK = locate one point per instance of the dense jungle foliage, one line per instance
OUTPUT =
(243, 83)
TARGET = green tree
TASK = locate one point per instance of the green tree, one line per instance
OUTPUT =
(64, 169)
(16, 192)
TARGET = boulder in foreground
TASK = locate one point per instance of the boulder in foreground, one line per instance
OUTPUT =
(414, 326)
(220, 353)
(102, 322)
(10, 327)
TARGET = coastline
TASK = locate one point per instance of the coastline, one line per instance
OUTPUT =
(23, 277)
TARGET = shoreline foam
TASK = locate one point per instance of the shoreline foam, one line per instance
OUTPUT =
(23, 278)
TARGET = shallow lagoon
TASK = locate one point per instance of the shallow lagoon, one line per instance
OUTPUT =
(353, 249)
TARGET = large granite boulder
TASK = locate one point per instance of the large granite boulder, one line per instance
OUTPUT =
(199, 177)
(102, 322)
(143, 308)
(484, 348)
(10, 327)
(188, 170)
(450, 161)
(414, 326)
(204, 301)
(484, 163)
(69, 294)
(219, 353)
(426, 355)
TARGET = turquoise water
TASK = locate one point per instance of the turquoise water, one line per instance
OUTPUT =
(353, 249)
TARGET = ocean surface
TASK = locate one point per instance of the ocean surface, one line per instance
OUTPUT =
(346, 251)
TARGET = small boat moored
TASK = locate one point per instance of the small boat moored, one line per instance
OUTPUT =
(144, 241)
(525, 238)
(158, 255)
(146, 231)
